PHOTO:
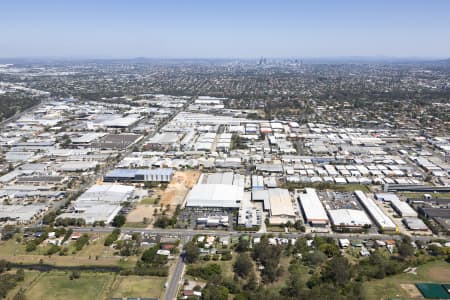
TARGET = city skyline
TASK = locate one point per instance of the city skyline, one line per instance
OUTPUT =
(199, 29)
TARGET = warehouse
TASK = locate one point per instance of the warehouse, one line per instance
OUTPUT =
(382, 221)
(313, 210)
(215, 195)
(222, 178)
(262, 196)
(117, 141)
(281, 206)
(93, 212)
(349, 218)
(257, 183)
(108, 193)
(403, 208)
(21, 214)
(415, 224)
(139, 175)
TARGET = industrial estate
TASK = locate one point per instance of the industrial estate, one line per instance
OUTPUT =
(176, 194)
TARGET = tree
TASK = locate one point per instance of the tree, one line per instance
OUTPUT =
(338, 271)
(8, 232)
(243, 245)
(315, 258)
(329, 249)
(215, 292)
(243, 265)
(119, 221)
(405, 250)
(191, 252)
(75, 275)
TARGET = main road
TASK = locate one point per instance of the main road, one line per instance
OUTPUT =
(191, 232)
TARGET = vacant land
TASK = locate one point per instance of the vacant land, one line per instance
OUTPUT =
(58, 285)
(401, 286)
(138, 286)
(142, 211)
(177, 189)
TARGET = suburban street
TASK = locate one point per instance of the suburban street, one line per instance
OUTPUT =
(175, 279)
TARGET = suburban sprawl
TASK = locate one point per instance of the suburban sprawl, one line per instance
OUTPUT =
(223, 179)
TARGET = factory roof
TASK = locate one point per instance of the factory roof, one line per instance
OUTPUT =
(403, 208)
(281, 203)
(382, 220)
(312, 207)
(349, 217)
(110, 193)
(215, 195)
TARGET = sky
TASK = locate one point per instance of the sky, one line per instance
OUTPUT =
(224, 29)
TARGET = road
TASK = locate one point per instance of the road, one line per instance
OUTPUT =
(175, 279)
(192, 232)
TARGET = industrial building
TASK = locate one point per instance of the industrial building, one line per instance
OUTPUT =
(349, 218)
(415, 224)
(21, 214)
(312, 208)
(101, 202)
(108, 193)
(403, 208)
(92, 212)
(215, 195)
(281, 206)
(139, 175)
(378, 216)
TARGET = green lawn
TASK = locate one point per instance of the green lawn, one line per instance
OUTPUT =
(420, 195)
(135, 225)
(390, 287)
(30, 276)
(150, 200)
(57, 285)
(138, 286)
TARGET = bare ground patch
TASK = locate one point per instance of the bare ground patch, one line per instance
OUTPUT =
(411, 290)
(439, 273)
(177, 189)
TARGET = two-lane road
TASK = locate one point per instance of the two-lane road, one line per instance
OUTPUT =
(175, 279)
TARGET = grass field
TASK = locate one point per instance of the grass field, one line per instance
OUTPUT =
(420, 195)
(138, 286)
(397, 286)
(57, 285)
(135, 225)
(30, 276)
(150, 200)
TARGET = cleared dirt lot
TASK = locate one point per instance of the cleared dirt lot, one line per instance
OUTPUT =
(177, 189)
(411, 290)
(141, 211)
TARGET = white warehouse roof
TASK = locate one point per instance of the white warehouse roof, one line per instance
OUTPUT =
(312, 207)
(403, 208)
(215, 195)
(375, 212)
(109, 193)
(349, 217)
(281, 203)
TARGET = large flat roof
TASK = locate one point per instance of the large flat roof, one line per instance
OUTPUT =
(312, 207)
(110, 193)
(215, 195)
(349, 217)
(281, 203)
(382, 220)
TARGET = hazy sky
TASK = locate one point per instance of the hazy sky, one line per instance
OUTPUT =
(224, 28)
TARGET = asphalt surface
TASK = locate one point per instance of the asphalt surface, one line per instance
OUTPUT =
(177, 275)
(191, 232)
